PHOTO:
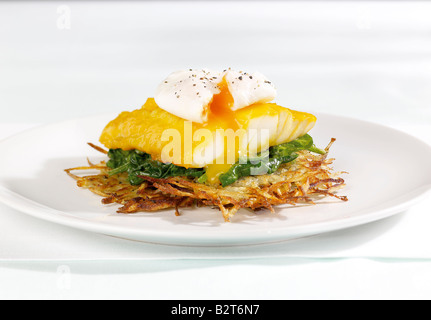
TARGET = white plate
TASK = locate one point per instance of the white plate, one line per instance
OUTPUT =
(388, 172)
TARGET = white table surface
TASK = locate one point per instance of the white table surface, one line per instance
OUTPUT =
(362, 59)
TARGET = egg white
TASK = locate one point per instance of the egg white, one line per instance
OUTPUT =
(188, 93)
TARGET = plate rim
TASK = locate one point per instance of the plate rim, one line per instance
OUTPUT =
(168, 238)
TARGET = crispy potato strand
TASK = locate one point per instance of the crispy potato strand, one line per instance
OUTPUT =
(305, 180)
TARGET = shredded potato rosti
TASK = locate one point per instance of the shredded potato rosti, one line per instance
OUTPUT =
(305, 180)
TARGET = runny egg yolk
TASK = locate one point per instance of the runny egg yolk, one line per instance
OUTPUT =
(220, 113)
(221, 116)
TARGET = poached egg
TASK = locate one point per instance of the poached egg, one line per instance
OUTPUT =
(193, 94)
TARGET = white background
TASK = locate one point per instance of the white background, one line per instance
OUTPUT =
(370, 60)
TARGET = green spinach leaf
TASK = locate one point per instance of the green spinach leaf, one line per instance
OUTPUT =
(278, 155)
(137, 164)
